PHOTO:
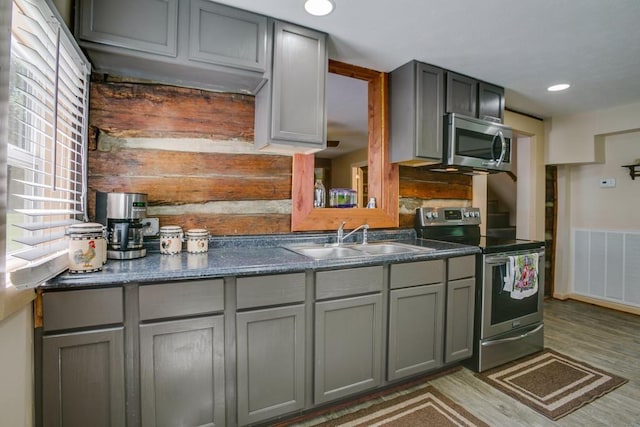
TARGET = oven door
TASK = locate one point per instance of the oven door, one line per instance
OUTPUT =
(500, 311)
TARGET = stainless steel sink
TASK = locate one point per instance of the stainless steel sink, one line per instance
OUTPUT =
(389, 248)
(324, 252)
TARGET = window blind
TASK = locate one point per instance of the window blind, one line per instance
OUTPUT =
(47, 146)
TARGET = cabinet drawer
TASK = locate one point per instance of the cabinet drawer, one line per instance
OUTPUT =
(181, 299)
(82, 308)
(262, 291)
(461, 267)
(351, 281)
(417, 273)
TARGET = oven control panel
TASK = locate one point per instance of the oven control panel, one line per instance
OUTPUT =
(447, 216)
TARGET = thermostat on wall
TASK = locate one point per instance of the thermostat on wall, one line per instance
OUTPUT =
(607, 182)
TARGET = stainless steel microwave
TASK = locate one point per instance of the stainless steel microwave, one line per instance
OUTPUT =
(477, 144)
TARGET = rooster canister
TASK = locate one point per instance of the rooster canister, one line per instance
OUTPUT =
(170, 239)
(86, 247)
(197, 240)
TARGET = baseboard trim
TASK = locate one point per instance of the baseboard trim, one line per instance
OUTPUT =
(607, 304)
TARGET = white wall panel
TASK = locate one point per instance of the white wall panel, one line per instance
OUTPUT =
(606, 265)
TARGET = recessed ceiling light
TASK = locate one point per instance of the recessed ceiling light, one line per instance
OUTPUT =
(318, 7)
(559, 87)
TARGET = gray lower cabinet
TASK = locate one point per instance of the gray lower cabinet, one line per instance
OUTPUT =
(348, 346)
(83, 358)
(270, 362)
(459, 327)
(182, 372)
(417, 109)
(461, 288)
(83, 379)
(290, 108)
(415, 330)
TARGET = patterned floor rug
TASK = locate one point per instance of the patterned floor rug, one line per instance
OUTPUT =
(423, 406)
(551, 383)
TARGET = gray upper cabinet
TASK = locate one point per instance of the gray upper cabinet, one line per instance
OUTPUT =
(290, 108)
(144, 25)
(222, 35)
(417, 110)
(490, 102)
(462, 94)
(193, 43)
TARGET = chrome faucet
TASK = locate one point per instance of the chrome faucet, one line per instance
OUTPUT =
(342, 237)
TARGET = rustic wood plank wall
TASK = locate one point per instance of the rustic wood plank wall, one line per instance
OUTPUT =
(192, 152)
(420, 187)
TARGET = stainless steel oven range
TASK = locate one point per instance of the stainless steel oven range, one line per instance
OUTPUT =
(509, 286)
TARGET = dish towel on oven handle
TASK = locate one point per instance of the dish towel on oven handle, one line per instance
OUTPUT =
(521, 279)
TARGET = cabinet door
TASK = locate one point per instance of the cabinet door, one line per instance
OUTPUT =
(83, 379)
(182, 372)
(430, 111)
(459, 328)
(144, 25)
(227, 36)
(348, 346)
(271, 356)
(490, 102)
(462, 94)
(299, 73)
(415, 330)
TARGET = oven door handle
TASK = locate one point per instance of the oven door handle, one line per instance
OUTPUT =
(497, 260)
(519, 337)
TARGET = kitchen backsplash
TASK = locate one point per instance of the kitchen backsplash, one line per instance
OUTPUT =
(192, 152)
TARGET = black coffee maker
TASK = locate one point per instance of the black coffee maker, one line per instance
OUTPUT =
(122, 213)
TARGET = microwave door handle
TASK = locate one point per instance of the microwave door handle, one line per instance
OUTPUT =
(503, 152)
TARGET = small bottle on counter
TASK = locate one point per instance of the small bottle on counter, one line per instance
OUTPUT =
(372, 203)
(319, 195)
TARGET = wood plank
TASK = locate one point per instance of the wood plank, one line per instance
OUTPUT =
(426, 190)
(180, 190)
(133, 162)
(233, 224)
(169, 111)
(421, 174)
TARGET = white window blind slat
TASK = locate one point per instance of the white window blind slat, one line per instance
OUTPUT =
(47, 134)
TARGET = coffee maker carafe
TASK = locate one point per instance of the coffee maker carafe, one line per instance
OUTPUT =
(122, 213)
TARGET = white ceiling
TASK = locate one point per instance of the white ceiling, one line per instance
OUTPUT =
(522, 45)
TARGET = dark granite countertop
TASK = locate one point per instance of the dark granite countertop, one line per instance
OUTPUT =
(251, 255)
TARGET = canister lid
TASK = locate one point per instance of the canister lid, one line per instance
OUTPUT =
(197, 232)
(170, 229)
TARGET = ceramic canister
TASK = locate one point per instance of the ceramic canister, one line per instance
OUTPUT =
(170, 239)
(86, 247)
(197, 240)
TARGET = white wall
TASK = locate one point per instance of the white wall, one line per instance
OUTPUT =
(581, 201)
(16, 369)
(608, 208)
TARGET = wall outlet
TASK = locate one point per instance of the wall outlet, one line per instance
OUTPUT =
(607, 182)
(150, 226)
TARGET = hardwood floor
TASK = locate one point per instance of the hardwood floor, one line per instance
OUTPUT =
(601, 337)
